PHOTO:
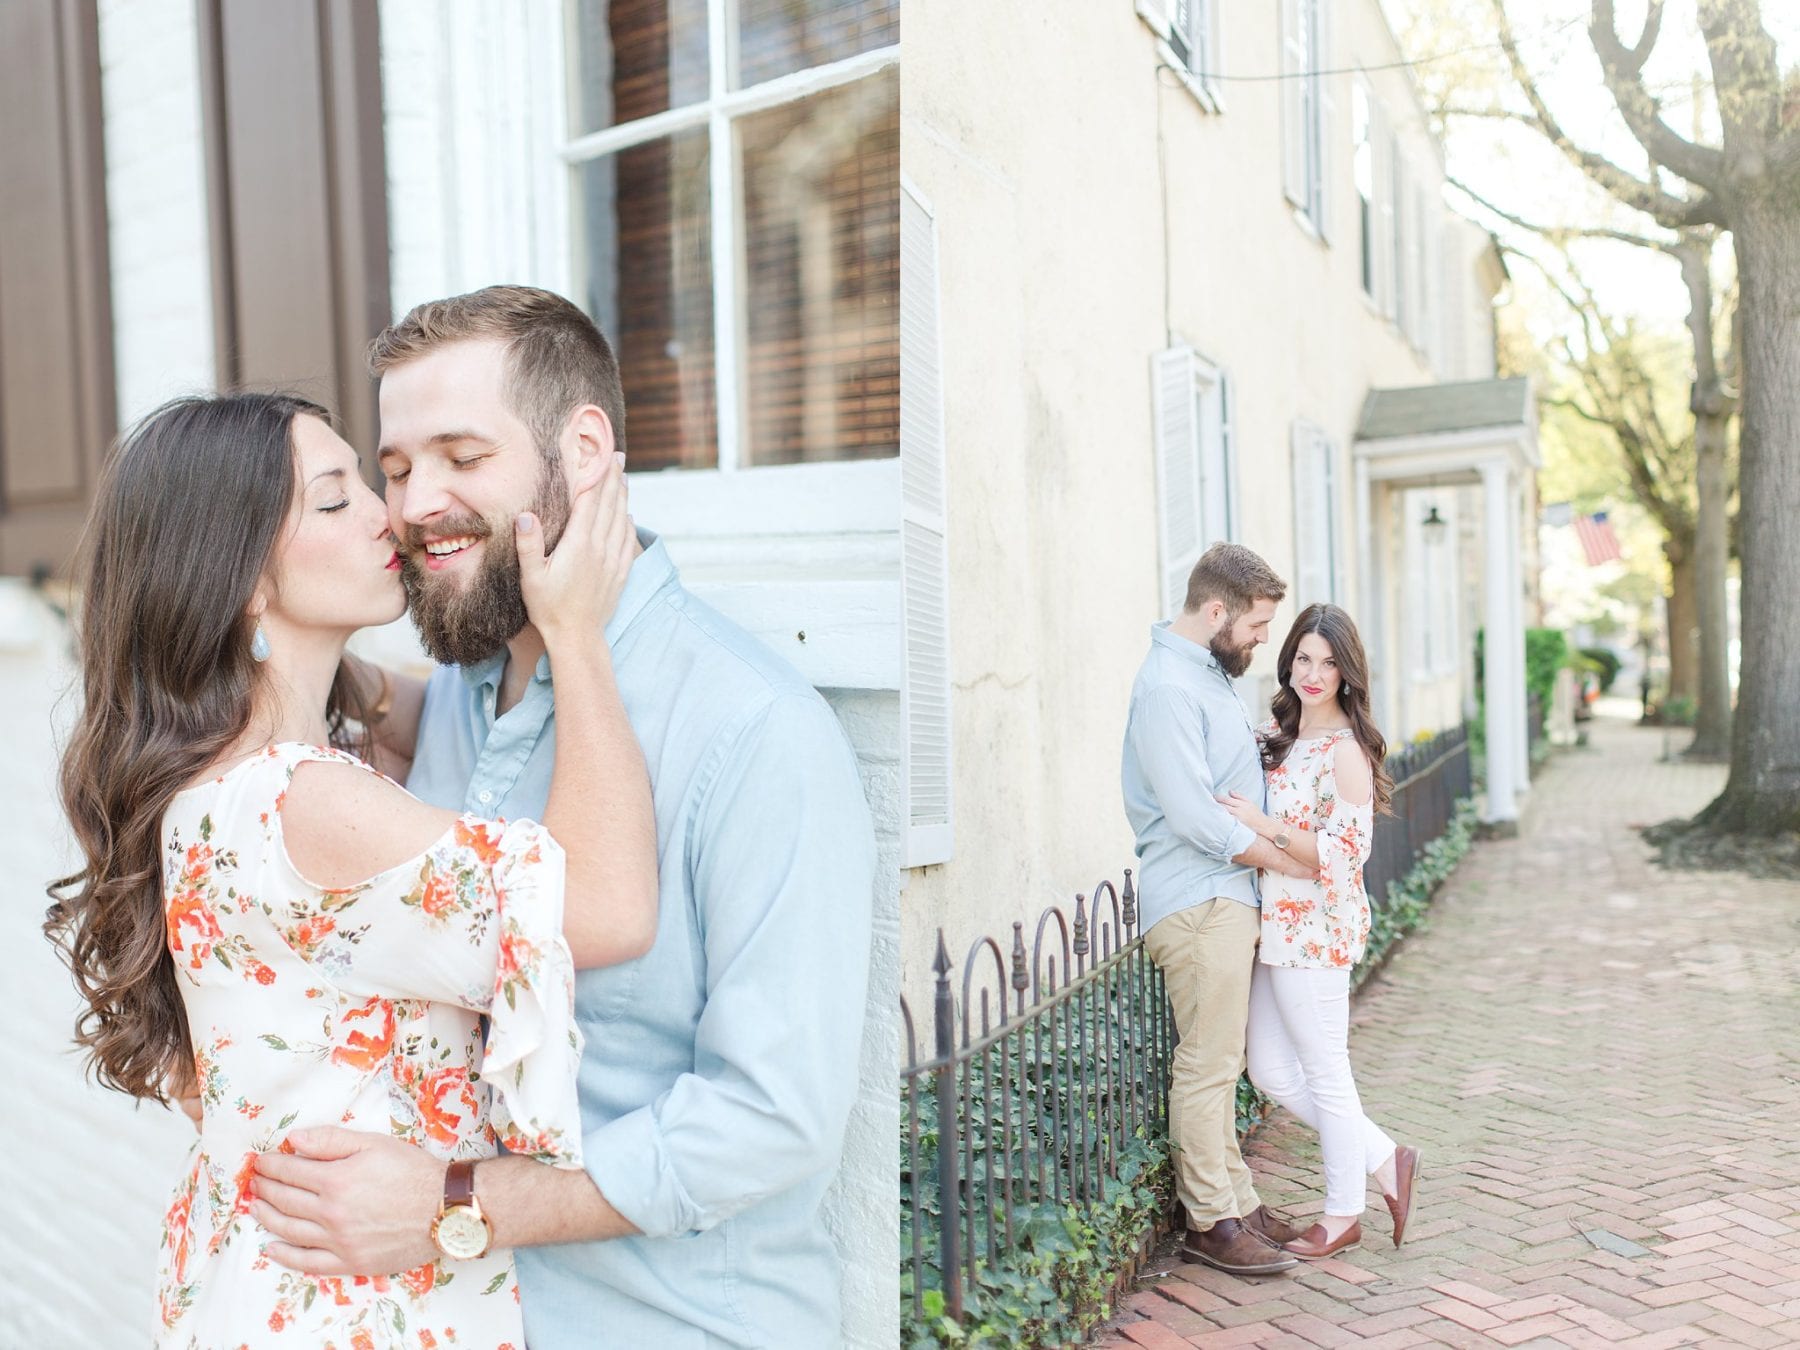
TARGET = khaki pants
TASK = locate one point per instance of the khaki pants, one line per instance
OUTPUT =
(1207, 954)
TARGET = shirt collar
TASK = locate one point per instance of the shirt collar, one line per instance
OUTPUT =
(1165, 637)
(651, 570)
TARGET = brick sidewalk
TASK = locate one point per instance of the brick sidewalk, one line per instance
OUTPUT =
(1601, 1061)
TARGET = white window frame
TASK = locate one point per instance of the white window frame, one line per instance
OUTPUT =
(1196, 465)
(1368, 258)
(926, 734)
(1201, 37)
(870, 481)
(1308, 112)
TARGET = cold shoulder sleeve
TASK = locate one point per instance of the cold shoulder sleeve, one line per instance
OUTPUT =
(533, 1046)
(1345, 837)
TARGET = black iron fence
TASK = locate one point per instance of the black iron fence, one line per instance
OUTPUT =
(1430, 777)
(1056, 1067)
(1048, 1062)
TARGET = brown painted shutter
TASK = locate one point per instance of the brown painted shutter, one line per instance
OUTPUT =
(56, 370)
(297, 186)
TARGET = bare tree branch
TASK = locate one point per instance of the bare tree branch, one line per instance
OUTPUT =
(1643, 195)
(1702, 165)
(1561, 232)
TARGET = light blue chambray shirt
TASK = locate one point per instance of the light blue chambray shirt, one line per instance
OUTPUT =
(721, 1067)
(1188, 741)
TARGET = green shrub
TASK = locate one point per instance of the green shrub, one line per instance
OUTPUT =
(1546, 652)
(1606, 664)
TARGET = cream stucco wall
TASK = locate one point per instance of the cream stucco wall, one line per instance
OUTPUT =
(1046, 143)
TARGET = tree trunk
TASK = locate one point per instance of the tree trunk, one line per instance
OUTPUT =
(1684, 641)
(1712, 725)
(1762, 795)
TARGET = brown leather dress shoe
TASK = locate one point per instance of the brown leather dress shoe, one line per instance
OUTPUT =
(1270, 1226)
(1406, 1171)
(1313, 1245)
(1229, 1246)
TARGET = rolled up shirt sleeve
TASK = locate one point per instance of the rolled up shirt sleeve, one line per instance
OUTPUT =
(1168, 732)
(783, 872)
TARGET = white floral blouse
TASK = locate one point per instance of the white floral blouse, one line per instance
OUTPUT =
(358, 1007)
(1322, 922)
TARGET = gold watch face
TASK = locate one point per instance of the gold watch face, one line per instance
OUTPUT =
(461, 1233)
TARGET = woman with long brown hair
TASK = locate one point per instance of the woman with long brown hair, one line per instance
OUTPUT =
(1322, 762)
(261, 915)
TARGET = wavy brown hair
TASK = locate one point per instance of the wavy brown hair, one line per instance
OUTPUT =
(1339, 630)
(185, 523)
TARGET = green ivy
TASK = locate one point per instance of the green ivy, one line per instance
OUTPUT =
(1055, 1283)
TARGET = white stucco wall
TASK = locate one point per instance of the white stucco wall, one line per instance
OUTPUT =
(1049, 202)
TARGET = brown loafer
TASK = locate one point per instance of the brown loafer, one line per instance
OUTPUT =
(1406, 1172)
(1312, 1245)
(1229, 1246)
(1270, 1226)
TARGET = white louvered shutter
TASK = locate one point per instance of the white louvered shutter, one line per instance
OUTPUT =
(1293, 104)
(1177, 473)
(1315, 541)
(1401, 240)
(924, 569)
(1382, 207)
(1228, 455)
(1326, 114)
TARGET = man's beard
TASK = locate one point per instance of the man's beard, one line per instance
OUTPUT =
(1235, 660)
(465, 625)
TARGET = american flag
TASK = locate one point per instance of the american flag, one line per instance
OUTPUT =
(1597, 539)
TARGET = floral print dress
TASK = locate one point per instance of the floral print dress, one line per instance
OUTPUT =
(359, 1007)
(1322, 922)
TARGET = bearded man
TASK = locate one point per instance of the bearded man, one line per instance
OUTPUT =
(1189, 742)
(720, 1068)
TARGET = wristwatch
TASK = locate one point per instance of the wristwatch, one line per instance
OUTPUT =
(1282, 839)
(461, 1230)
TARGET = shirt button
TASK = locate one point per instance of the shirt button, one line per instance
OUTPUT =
(484, 797)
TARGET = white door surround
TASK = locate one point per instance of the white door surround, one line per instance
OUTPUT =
(1501, 459)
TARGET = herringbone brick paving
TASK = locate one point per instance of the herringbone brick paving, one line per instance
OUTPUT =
(1601, 1061)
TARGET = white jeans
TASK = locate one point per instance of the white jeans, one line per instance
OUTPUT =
(1298, 1045)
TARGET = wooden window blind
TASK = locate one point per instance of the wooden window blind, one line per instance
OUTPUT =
(805, 299)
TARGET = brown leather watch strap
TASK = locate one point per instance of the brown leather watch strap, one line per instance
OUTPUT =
(459, 1183)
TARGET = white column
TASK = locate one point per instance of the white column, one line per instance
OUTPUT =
(1500, 590)
(1516, 585)
(1368, 603)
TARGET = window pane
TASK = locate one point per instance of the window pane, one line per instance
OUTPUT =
(644, 235)
(631, 58)
(778, 37)
(821, 185)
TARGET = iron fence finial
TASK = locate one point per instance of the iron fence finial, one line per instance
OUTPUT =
(1130, 898)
